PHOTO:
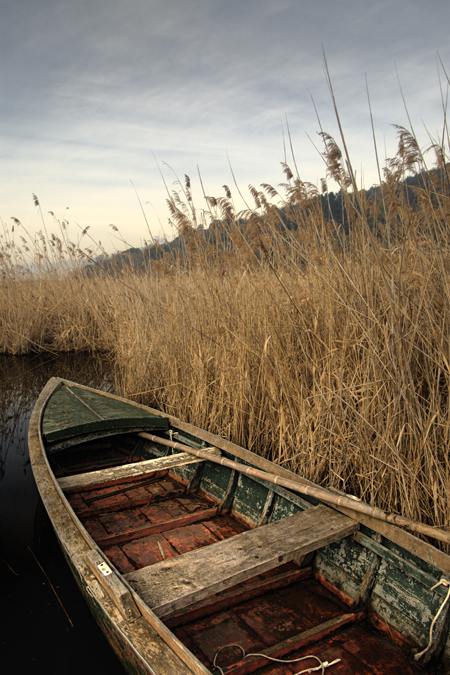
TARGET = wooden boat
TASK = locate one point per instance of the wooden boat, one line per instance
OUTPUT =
(197, 556)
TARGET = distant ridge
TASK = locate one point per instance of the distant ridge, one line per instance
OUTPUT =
(334, 208)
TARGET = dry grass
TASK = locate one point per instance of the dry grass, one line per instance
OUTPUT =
(326, 351)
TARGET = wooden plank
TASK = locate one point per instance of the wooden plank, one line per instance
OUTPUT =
(367, 584)
(404, 565)
(156, 528)
(288, 495)
(95, 511)
(147, 466)
(144, 642)
(235, 596)
(292, 644)
(176, 583)
(409, 606)
(113, 585)
(321, 494)
(333, 578)
(409, 542)
(73, 411)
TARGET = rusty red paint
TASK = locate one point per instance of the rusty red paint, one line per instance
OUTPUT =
(224, 527)
(90, 511)
(77, 502)
(344, 597)
(124, 521)
(271, 612)
(284, 649)
(156, 513)
(189, 538)
(119, 559)
(361, 650)
(209, 636)
(114, 500)
(114, 484)
(374, 650)
(95, 528)
(265, 620)
(137, 533)
(386, 628)
(146, 551)
(240, 593)
(193, 503)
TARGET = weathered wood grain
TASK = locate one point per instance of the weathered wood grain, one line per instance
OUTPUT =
(74, 410)
(216, 603)
(396, 579)
(404, 539)
(156, 528)
(139, 643)
(147, 466)
(176, 583)
(406, 567)
(115, 588)
(255, 662)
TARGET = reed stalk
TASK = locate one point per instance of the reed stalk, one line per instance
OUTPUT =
(322, 345)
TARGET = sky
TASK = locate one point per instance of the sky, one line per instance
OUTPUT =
(105, 103)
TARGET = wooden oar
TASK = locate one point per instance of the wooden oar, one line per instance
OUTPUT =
(312, 491)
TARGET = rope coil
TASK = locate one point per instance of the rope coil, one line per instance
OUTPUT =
(322, 664)
(442, 582)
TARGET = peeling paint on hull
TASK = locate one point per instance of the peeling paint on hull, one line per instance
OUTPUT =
(361, 597)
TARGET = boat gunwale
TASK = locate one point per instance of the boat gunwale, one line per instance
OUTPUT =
(412, 546)
(406, 540)
(80, 538)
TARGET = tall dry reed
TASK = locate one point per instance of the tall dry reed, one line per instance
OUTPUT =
(320, 345)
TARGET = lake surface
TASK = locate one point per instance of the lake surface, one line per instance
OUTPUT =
(49, 628)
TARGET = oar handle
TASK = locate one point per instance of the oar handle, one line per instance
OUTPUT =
(319, 493)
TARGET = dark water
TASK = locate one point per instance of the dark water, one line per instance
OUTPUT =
(41, 633)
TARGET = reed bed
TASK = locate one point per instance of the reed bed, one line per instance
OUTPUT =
(322, 345)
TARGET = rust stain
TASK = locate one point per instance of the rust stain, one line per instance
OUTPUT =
(394, 634)
(336, 591)
(189, 538)
(143, 552)
(271, 611)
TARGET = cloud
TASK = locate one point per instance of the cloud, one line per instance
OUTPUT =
(92, 90)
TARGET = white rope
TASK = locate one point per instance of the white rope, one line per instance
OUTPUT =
(442, 582)
(322, 664)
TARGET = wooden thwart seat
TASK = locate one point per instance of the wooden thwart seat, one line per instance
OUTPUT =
(142, 468)
(176, 583)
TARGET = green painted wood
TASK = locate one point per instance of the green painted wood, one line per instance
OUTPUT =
(406, 566)
(249, 499)
(178, 582)
(417, 632)
(284, 508)
(402, 593)
(215, 480)
(336, 576)
(350, 557)
(290, 497)
(405, 554)
(73, 411)
(219, 475)
(212, 490)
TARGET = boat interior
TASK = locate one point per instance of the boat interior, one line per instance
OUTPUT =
(247, 575)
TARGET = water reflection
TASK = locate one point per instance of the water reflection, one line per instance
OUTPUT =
(39, 636)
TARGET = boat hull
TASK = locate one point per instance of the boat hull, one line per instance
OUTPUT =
(376, 573)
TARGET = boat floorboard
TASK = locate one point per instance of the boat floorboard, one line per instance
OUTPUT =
(149, 523)
(284, 611)
(301, 619)
(173, 584)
